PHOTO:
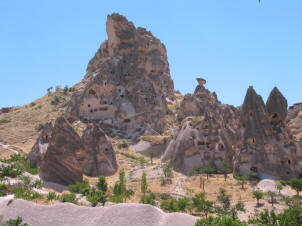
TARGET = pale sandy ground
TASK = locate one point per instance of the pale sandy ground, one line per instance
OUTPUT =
(64, 214)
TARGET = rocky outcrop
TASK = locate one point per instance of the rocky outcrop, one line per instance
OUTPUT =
(61, 162)
(276, 106)
(294, 122)
(38, 151)
(128, 82)
(99, 159)
(199, 103)
(206, 135)
(267, 147)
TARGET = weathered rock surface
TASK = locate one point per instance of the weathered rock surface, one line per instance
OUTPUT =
(294, 122)
(128, 81)
(207, 133)
(267, 147)
(61, 162)
(99, 159)
(276, 106)
(38, 151)
(69, 214)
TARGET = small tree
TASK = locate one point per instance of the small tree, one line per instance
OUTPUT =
(296, 184)
(200, 203)
(241, 180)
(58, 88)
(102, 184)
(272, 196)
(95, 196)
(225, 169)
(279, 187)
(208, 170)
(144, 185)
(65, 89)
(168, 173)
(224, 199)
(151, 154)
(49, 89)
(258, 195)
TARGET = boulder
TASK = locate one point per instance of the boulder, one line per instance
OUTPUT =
(128, 82)
(99, 159)
(39, 149)
(61, 163)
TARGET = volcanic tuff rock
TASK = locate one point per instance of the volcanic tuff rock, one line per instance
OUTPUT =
(294, 121)
(276, 105)
(100, 157)
(38, 151)
(207, 134)
(128, 81)
(267, 147)
(61, 162)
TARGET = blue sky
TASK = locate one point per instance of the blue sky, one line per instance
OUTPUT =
(230, 43)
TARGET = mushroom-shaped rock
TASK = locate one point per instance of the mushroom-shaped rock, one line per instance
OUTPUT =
(99, 159)
(276, 105)
(39, 149)
(61, 162)
(201, 81)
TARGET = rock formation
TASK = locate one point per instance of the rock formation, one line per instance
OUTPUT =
(38, 151)
(61, 162)
(207, 133)
(199, 103)
(276, 106)
(294, 121)
(128, 82)
(267, 148)
(99, 159)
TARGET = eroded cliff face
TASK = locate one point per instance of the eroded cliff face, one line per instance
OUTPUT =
(38, 151)
(207, 133)
(128, 82)
(61, 161)
(267, 147)
(99, 159)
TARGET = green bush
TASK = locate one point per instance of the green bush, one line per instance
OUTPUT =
(148, 199)
(38, 184)
(14, 222)
(10, 171)
(219, 221)
(95, 196)
(165, 196)
(80, 187)
(52, 196)
(169, 205)
(69, 198)
(26, 193)
(4, 189)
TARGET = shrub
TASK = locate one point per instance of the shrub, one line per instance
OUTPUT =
(10, 171)
(38, 184)
(96, 196)
(26, 193)
(40, 126)
(65, 89)
(52, 196)
(55, 100)
(220, 221)
(80, 187)
(15, 222)
(58, 88)
(69, 198)
(296, 184)
(148, 199)
(32, 104)
(4, 189)
(165, 196)
(102, 184)
(169, 205)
